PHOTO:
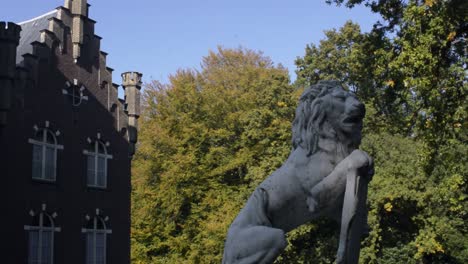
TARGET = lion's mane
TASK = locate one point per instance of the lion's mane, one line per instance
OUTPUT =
(310, 116)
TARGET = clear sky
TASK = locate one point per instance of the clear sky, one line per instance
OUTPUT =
(157, 37)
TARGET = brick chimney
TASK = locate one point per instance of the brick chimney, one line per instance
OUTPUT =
(79, 11)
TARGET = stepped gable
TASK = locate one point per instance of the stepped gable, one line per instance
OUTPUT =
(31, 32)
(66, 36)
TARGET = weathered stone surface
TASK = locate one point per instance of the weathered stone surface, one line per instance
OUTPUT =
(324, 162)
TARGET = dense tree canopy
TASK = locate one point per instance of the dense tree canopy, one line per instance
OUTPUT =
(410, 70)
(207, 139)
(411, 67)
(210, 136)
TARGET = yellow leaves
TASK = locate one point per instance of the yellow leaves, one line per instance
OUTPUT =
(281, 104)
(388, 207)
(428, 124)
(276, 122)
(457, 125)
(420, 249)
(390, 83)
(428, 246)
(429, 3)
(438, 247)
(451, 36)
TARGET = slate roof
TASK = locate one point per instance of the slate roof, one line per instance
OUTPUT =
(30, 32)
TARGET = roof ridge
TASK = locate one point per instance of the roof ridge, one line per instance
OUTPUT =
(36, 18)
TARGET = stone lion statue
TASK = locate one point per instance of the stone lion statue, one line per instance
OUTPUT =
(326, 134)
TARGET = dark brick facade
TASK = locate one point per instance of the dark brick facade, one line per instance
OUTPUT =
(32, 97)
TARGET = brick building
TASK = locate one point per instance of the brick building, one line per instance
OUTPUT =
(66, 143)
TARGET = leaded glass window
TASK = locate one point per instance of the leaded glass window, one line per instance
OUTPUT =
(96, 169)
(41, 239)
(44, 154)
(96, 244)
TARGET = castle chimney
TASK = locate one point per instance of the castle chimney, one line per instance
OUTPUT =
(68, 4)
(132, 86)
(9, 40)
(79, 10)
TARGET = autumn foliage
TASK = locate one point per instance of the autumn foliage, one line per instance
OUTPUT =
(209, 136)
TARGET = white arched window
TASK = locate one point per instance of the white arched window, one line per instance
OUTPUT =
(97, 157)
(41, 237)
(44, 153)
(96, 239)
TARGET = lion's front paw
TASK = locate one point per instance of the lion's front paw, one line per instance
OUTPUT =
(361, 161)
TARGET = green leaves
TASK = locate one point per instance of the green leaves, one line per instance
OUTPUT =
(410, 71)
(336, 57)
(207, 139)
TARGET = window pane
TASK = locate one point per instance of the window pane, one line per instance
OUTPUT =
(50, 138)
(37, 162)
(50, 163)
(46, 221)
(100, 224)
(101, 172)
(89, 248)
(39, 135)
(33, 246)
(100, 248)
(46, 247)
(101, 148)
(91, 171)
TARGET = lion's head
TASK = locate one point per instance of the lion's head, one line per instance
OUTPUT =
(327, 111)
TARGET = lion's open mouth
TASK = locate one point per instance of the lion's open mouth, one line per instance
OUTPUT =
(352, 119)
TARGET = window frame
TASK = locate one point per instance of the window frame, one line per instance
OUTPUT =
(95, 154)
(41, 229)
(94, 232)
(43, 144)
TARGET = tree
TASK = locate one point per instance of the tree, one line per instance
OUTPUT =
(207, 140)
(210, 136)
(411, 67)
(410, 71)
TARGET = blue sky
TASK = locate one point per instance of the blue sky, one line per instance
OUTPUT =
(157, 37)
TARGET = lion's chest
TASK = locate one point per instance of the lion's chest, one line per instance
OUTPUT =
(288, 189)
(316, 169)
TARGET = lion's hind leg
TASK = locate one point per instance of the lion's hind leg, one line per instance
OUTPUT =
(254, 245)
